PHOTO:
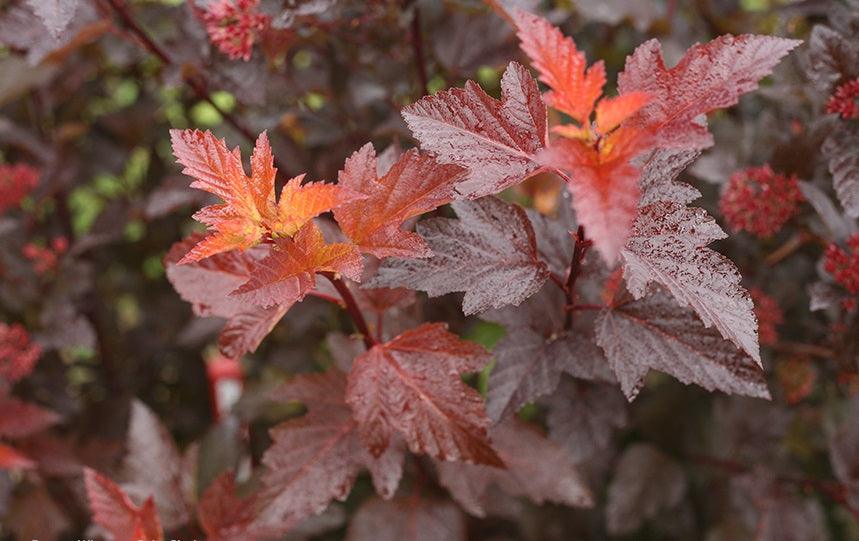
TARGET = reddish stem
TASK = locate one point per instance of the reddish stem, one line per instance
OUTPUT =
(579, 251)
(558, 281)
(588, 307)
(418, 46)
(352, 309)
(329, 298)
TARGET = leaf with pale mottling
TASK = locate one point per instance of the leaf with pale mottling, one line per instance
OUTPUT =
(668, 245)
(490, 253)
(708, 77)
(494, 140)
(654, 332)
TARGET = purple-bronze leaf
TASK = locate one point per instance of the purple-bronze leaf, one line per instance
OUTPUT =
(656, 333)
(490, 253)
(496, 141)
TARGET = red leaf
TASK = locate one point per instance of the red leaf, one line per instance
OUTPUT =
(114, 511)
(10, 459)
(496, 141)
(316, 458)
(289, 270)
(20, 419)
(223, 515)
(415, 184)
(708, 77)
(604, 187)
(250, 210)
(207, 285)
(490, 253)
(536, 468)
(407, 519)
(561, 66)
(412, 385)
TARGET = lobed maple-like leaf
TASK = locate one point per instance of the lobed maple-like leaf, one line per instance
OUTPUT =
(19, 419)
(288, 272)
(412, 386)
(575, 87)
(114, 511)
(416, 183)
(536, 350)
(496, 141)
(153, 467)
(224, 515)
(554, 243)
(668, 246)
(250, 211)
(407, 519)
(490, 253)
(55, 14)
(708, 77)
(645, 482)
(654, 332)
(833, 58)
(583, 416)
(535, 468)
(840, 149)
(659, 171)
(316, 458)
(207, 285)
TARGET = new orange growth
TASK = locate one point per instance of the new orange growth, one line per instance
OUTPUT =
(577, 90)
(250, 213)
(596, 153)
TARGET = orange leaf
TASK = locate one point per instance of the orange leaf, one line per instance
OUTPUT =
(611, 112)
(415, 184)
(289, 271)
(561, 66)
(10, 459)
(114, 511)
(249, 211)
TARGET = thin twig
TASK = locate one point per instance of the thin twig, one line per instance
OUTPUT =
(352, 309)
(418, 47)
(558, 281)
(832, 489)
(579, 251)
(799, 348)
